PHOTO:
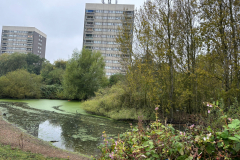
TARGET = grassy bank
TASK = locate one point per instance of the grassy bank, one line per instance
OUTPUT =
(8, 152)
(114, 102)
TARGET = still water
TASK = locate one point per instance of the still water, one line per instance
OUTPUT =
(62, 121)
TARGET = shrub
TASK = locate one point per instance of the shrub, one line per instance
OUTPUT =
(160, 141)
(114, 103)
(50, 91)
(20, 84)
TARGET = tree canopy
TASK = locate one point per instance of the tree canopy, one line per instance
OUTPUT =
(184, 53)
(20, 84)
(12, 62)
(84, 74)
(53, 73)
(113, 79)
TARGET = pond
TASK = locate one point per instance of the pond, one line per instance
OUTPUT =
(63, 122)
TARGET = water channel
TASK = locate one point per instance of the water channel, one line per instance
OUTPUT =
(62, 121)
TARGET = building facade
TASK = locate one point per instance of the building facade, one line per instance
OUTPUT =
(101, 25)
(23, 40)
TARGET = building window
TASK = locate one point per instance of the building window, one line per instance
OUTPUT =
(89, 11)
(90, 17)
(129, 12)
(98, 23)
(89, 22)
(99, 11)
(111, 11)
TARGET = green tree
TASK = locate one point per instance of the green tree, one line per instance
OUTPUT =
(20, 84)
(220, 29)
(60, 64)
(184, 53)
(84, 74)
(113, 79)
(12, 62)
(34, 63)
(53, 73)
(47, 67)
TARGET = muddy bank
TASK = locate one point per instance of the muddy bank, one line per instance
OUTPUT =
(15, 137)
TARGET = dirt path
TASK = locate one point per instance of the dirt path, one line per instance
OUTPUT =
(11, 135)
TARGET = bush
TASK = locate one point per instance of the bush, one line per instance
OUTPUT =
(51, 91)
(164, 142)
(20, 84)
(113, 102)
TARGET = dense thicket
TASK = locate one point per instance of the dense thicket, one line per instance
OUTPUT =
(163, 141)
(52, 75)
(184, 53)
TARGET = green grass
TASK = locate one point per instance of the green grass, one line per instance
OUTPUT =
(111, 102)
(9, 153)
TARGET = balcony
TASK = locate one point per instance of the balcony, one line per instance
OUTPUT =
(89, 26)
(89, 19)
(88, 29)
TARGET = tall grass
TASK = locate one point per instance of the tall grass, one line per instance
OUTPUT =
(114, 103)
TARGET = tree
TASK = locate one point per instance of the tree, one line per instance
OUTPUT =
(34, 63)
(20, 84)
(60, 64)
(12, 62)
(53, 73)
(220, 29)
(47, 67)
(113, 79)
(185, 52)
(84, 74)
(125, 40)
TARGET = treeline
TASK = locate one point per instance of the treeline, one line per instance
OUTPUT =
(184, 53)
(29, 76)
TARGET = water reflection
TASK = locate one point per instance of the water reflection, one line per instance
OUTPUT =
(74, 132)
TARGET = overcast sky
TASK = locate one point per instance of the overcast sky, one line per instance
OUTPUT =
(61, 20)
